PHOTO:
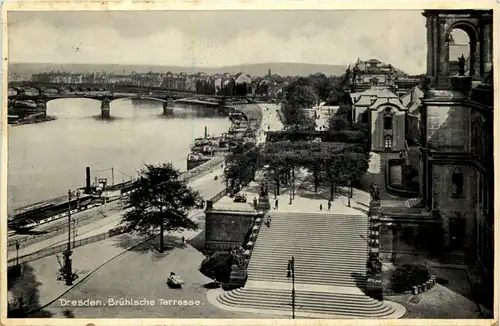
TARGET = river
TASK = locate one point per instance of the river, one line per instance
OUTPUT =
(47, 159)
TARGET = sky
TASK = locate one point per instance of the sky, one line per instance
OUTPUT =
(219, 38)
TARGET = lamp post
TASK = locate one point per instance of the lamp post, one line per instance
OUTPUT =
(291, 273)
(67, 254)
(349, 195)
(17, 253)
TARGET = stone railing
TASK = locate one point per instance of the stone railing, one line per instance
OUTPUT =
(205, 167)
(216, 198)
(374, 264)
(249, 246)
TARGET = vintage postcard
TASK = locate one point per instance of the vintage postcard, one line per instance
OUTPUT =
(229, 163)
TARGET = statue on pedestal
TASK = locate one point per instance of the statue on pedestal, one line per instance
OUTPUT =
(375, 193)
(374, 265)
(461, 66)
(263, 190)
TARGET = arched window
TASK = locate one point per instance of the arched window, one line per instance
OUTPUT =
(365, 117)
(461, 47)
(387, 122)
(457, 179)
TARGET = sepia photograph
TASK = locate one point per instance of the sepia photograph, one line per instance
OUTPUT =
(249, 164)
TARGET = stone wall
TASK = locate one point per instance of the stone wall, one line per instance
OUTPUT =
(400, 242)
(448, 127)
(449, 206)
(225, 229)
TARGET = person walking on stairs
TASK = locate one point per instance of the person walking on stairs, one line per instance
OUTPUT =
(276, 204)
(329, 204)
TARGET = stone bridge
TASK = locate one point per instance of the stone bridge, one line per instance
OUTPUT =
(41, 94)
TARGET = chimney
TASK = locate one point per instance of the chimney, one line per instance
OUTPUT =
(87, 186)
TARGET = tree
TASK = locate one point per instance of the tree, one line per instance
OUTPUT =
(160, 200)
(242, 164)
(299, 96)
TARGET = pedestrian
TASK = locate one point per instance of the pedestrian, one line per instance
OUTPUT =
(320, 207)
(183, 239)
(329, 204)
(276, 204)
(255, 202)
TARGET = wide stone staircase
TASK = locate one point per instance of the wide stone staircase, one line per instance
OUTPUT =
(328, 249)
(330, 253)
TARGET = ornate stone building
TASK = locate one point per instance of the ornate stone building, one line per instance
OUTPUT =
(456, 174)
(371, 73)
(386, 115)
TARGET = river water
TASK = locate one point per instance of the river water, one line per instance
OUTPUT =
(47, 159)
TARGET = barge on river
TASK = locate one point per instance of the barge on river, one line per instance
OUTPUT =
(206, 148)
(215, 105)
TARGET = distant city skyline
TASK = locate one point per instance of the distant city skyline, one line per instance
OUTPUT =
(219, 38)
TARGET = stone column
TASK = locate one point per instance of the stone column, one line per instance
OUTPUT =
(105, 109)
(167, 109)
(429, 27)
(487, 46)
(435, 48)
(41, 106)
(444, 54)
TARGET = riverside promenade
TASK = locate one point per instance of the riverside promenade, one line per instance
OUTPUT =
(89, 257)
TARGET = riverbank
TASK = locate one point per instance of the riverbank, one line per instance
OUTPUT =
(32, 120)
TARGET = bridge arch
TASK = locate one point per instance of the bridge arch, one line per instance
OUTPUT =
(107, 100)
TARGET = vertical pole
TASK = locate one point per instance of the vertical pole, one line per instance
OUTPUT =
(17, 253)
(74, 234)
(112, 176)
(87, 180)
(69, 220)
(67, 262)
(293, 287)
(349, 194)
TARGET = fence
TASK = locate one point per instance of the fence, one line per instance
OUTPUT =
(56, 230)
(62, 247)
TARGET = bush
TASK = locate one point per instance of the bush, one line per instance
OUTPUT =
(407, 276)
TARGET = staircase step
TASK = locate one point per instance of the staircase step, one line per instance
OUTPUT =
(318, 223)
(285, 252)
(308, 273)
(313, 302)
(324, 230)
(310, 268)
(301, 300)
(321, 243)
(341, 283)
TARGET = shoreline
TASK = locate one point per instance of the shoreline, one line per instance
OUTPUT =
(27, 121)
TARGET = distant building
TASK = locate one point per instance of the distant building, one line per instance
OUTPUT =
(386, 115)
(372, 73)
